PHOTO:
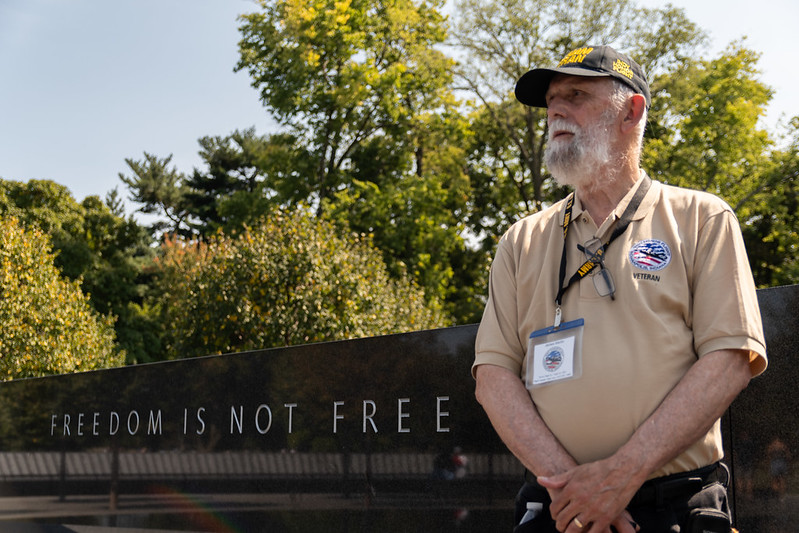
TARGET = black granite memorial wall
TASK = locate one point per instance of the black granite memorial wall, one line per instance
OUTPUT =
(377, 434)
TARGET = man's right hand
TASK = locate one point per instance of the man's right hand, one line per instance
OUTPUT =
(595, 495)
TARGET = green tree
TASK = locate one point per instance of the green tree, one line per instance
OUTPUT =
(416, 214)
(771, 228)
(246, 176)
(291, 280)
(340, 73)
(161, 190)
(705, 134)
(364, 86)
(48, 325)
(411, 207)
(108, 253)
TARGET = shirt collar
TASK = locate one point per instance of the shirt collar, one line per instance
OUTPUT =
(646, 204)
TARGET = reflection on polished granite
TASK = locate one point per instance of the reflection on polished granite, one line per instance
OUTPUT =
(764, 425)
(371, 434)
(343, 435)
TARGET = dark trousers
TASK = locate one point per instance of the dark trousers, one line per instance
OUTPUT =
(670, 504)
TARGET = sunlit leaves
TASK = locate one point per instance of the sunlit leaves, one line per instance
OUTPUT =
(91, 242)
(48, 326)
(290, 280)
(340, 73)
(711, 139)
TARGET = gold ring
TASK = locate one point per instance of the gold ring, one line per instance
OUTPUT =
(578, 523)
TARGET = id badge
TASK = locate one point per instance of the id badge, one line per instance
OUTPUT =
(555, 354)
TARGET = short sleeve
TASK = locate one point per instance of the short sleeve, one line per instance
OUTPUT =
(497, 341)
(726, 314)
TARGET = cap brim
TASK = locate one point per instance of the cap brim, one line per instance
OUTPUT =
(531, 89)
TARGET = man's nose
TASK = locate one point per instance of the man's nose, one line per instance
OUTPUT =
(556, 108)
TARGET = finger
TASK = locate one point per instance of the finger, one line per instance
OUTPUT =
(624, 524)
(626, 516)
(553, 482)
(560, 511)
(571, 523)
(579, 526)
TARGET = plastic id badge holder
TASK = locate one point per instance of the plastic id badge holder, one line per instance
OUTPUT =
(555, 354)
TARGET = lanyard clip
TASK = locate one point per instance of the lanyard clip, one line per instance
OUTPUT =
(558, 317)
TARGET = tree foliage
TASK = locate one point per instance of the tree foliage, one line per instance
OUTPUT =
(49, 327)
(339, 73)
(161, 190)
(415, 218)
(247, 175)
(365, 88)
(705, 134)
(771, 229)
(374, 140)
(105, 251)
(290, 280)
(708, 136)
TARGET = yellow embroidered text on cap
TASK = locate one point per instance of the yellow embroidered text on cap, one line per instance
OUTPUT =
(575, 56)
(623, 68)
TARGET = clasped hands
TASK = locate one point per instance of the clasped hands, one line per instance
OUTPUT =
(591, 498)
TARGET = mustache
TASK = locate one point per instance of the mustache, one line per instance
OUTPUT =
(561, 125)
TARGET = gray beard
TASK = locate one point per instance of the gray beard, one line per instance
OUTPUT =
(583, 162)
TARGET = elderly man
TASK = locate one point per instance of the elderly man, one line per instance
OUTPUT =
(621, 323)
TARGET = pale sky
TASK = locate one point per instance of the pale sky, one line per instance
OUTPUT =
(769, 25)
(85, 84)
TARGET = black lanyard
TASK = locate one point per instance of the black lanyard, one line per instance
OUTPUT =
(596, 258)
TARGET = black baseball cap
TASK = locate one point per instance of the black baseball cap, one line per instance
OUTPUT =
(588, 61)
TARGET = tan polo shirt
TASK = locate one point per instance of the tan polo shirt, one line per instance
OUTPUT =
(683, 289)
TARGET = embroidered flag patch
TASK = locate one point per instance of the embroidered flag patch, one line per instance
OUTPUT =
(651, 255)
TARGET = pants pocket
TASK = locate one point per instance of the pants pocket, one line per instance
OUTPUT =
(708, 521)
(714, 496)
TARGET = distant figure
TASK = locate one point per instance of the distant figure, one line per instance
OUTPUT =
(779, 458)
(459, 462)
(745, 455)
(450, 465)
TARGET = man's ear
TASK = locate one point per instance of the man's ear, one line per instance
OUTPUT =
(634, 112)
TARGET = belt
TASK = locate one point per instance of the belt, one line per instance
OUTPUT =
(659, 490)
(656, 492)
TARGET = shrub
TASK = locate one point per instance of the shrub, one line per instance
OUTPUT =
(291, 280)
(47, 325)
